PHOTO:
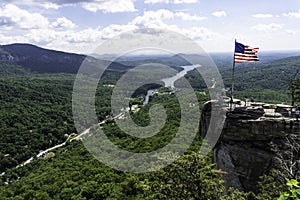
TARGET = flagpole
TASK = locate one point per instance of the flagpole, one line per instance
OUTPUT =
(232, 83)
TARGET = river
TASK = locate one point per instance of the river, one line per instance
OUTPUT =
(170, 81)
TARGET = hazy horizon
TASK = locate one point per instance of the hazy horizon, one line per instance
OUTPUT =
(80, 26)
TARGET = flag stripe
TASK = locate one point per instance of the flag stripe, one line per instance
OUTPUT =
(247, 58)
(240, 61)
(245, 53)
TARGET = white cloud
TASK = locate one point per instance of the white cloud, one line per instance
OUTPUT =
(153, 19)
(188, 17)
(198, 33)
(106, 6)
(262, 16)
(68, 40)
(49, 5)
(221, 13)
(267, 27)
(156, 19)
(291, 32)
(292, 14)
(114, 29)
(88, 35)
(184, 1)
(12, 39)
(63, 23)
(110, 6)
(12, 16)
(83, 41)
(150, 19)
(42, 35)
(170, 1)
(60, 35)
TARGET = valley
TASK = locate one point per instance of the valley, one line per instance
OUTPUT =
(36, 114)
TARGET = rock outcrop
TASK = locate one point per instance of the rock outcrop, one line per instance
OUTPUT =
(252, 140)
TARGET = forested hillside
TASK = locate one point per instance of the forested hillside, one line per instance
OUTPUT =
(71, 172)
(36, 109)
(264, 81)
(9, 70)
(36, 113)
(36, 59)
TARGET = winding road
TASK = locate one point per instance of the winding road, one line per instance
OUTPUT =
(78, 137)
(169, 82)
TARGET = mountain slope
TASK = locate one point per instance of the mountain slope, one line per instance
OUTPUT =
(42, 60)
(264, 81)
(274, 75)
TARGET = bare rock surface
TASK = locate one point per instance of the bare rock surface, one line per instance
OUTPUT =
(245, 149)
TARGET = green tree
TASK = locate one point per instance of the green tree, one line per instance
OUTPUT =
(294, 90)
(190, 177)
(293, 191)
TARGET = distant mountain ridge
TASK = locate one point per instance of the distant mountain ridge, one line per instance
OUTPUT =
(274, 75)
(42, 60)
(266, 82)
(37, 59)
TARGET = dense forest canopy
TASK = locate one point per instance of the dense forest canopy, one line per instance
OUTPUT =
(36, 113)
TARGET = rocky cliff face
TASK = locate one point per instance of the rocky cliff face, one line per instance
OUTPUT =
(254, 139)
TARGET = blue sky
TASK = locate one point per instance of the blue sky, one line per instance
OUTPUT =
(80, 25)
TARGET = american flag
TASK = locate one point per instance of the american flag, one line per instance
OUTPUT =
(244, 53)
